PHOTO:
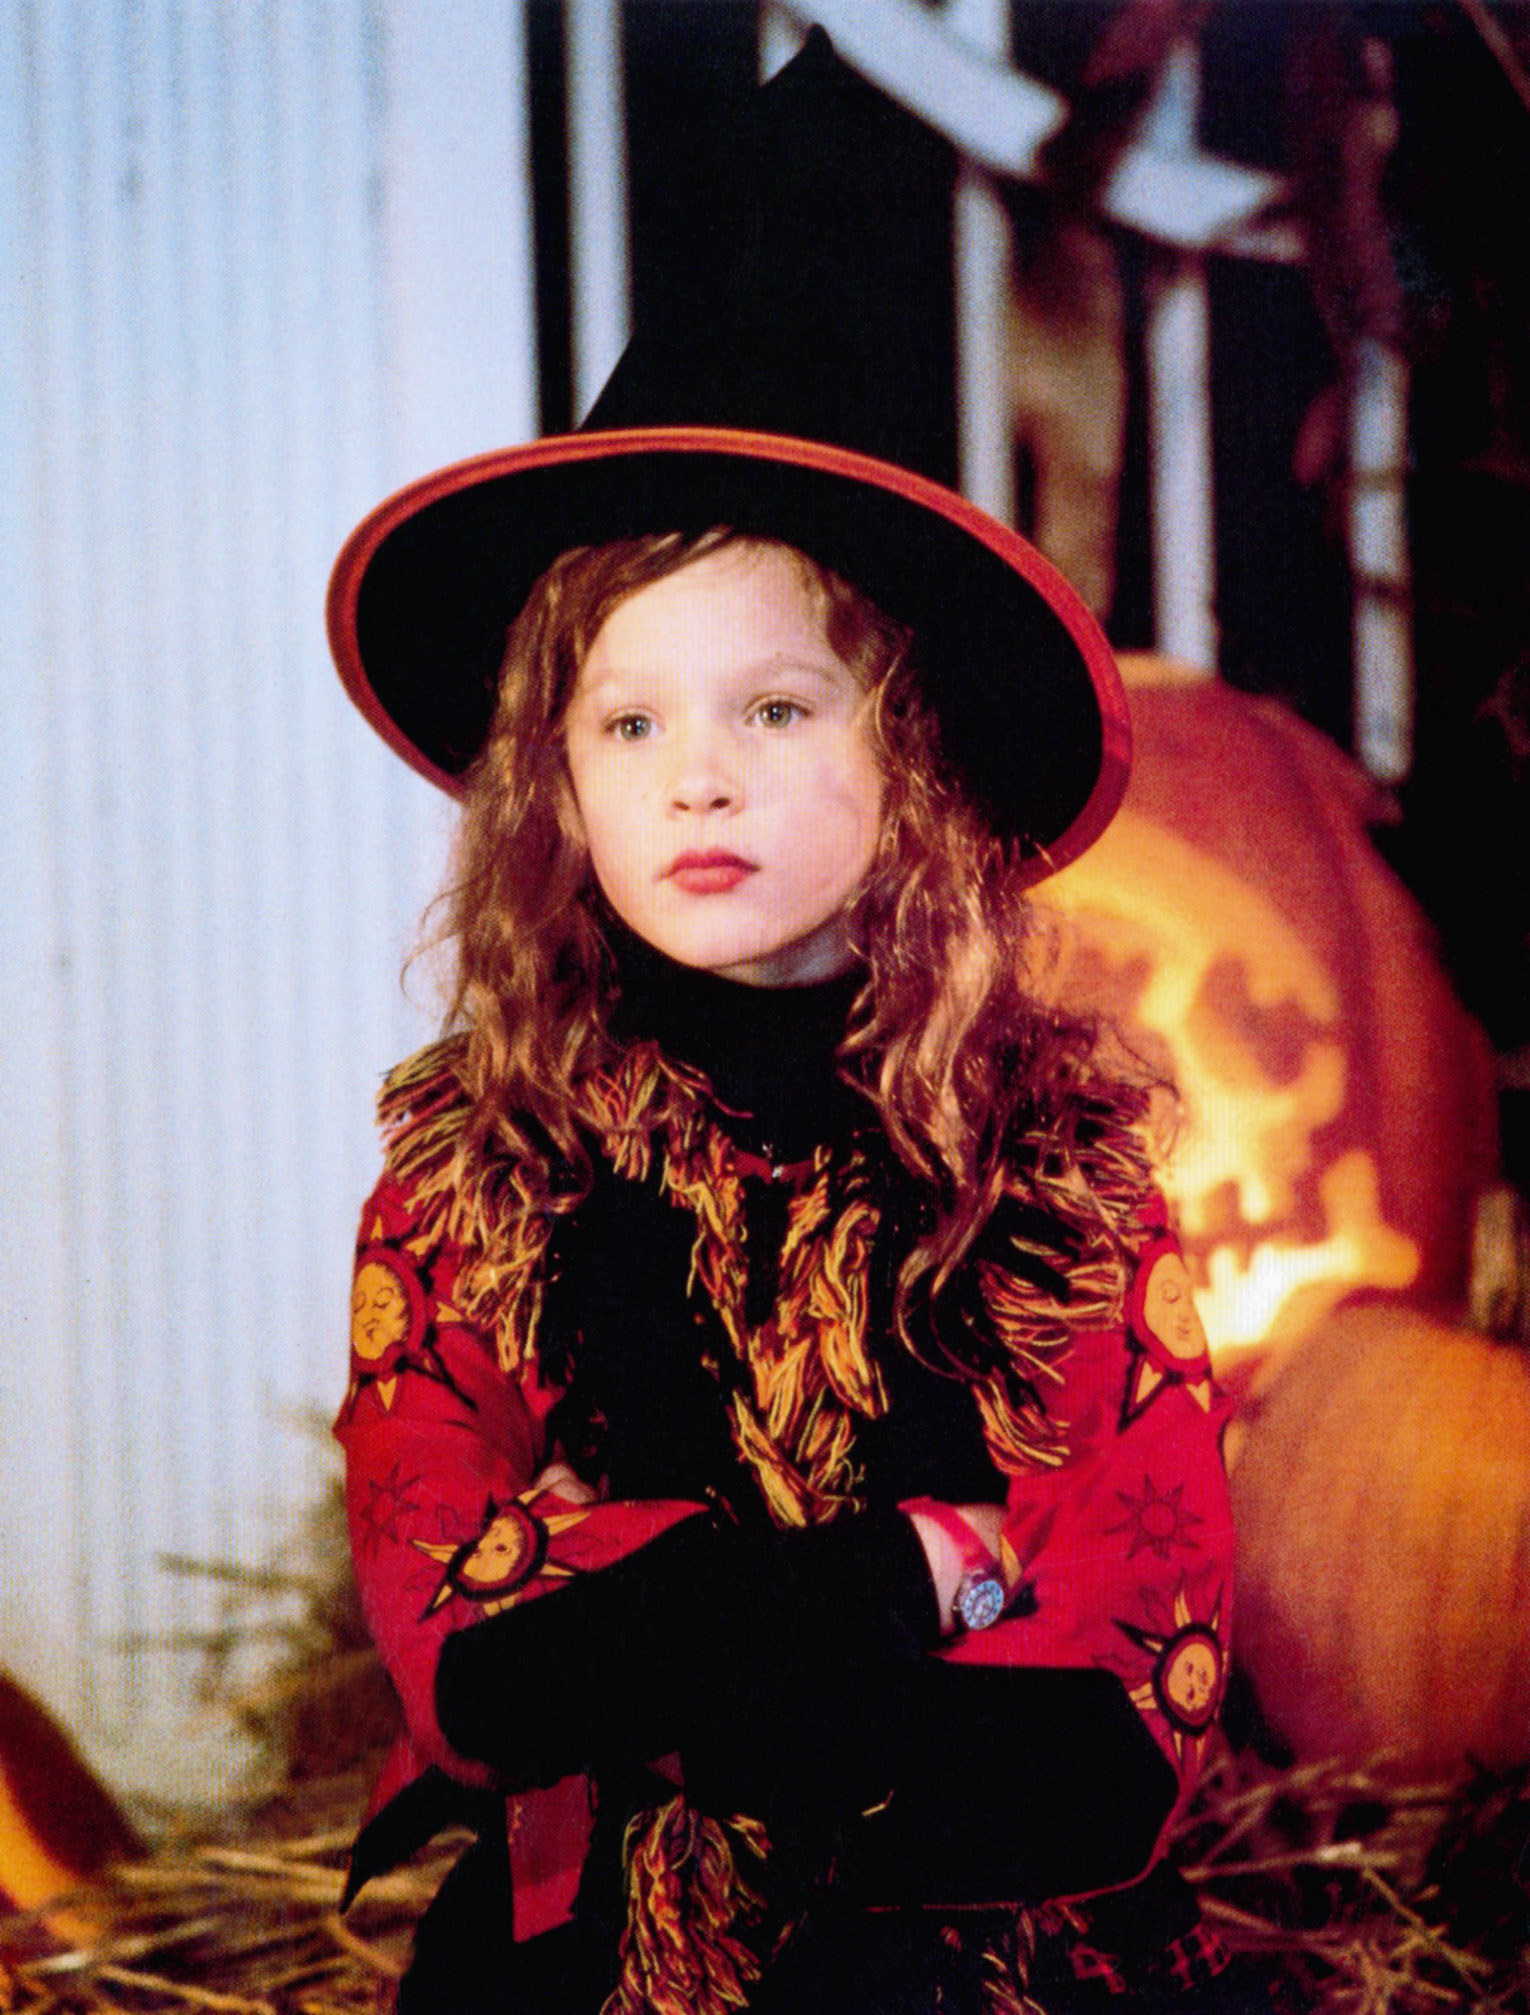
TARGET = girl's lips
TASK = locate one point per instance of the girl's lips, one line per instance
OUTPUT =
(709, 874)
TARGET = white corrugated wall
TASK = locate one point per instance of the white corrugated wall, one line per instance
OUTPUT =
(261, 264)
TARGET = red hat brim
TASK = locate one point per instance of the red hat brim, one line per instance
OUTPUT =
(1032, 712)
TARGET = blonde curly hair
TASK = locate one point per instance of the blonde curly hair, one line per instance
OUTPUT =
(948, 1039)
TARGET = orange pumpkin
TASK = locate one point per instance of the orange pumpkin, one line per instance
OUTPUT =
(1338, 1118)
(1382, 1504)
(58, 1823)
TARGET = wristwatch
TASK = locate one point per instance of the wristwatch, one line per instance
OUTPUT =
(981, 1597)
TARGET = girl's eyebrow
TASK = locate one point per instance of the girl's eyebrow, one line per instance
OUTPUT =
(828, 672)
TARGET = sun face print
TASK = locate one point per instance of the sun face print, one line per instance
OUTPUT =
(388, 1320)
(1165, 1339)
(394, 1321)
(1192, 1670)
(510, 1549)
(1185, 1682)
(495, 1569)
(381, 1317)
(1168, 1310)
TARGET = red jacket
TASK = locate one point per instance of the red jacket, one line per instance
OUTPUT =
(1124, 1547)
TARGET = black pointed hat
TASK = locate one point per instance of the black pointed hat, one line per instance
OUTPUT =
(774, 389)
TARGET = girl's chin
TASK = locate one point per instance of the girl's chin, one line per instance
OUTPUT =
(760, 959)
(790, 967)
(735, 939)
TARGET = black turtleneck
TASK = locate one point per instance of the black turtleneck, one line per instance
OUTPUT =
(647, 1365)
(769, 1053)
(790, 1670)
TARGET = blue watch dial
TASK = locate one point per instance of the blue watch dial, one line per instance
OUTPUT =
(980, 1599)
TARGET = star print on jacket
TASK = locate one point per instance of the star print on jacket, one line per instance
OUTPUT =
(1159, 1519)
(1129, 1508)
(387, 1502)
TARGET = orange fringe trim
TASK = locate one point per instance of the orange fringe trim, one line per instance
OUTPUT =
(479, 1204)
(1006, 1969)
(679, 1951)
(811, 1376)
(811, 1373)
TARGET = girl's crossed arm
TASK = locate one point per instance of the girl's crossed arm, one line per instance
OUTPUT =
(789, 1671)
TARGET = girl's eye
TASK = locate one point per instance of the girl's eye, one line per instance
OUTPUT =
(778, 713)
(630, 727)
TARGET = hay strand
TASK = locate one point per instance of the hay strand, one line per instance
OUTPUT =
(1367, 1896)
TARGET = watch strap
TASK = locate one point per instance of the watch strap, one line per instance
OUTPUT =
(974, 1555)
(982, 1594)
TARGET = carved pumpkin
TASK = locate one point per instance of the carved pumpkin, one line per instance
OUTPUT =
(1337, 1119)
(1382, 1503)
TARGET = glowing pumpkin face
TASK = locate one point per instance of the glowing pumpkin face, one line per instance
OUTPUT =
(1336, 1109)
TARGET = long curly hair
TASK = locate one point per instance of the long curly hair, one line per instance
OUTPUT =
(949, 1038)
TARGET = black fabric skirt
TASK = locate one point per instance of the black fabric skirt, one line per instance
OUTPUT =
(851, 1962)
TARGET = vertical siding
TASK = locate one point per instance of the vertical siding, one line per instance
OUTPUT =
(597, 175)
(984, 281)
(263, 263)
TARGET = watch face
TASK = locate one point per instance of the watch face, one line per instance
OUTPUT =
(980, 1601)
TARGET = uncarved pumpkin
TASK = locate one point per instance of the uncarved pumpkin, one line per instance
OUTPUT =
(1338, 1110)
(58, 1823)
(1382, 1505)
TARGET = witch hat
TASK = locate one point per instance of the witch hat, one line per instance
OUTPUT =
(771, 390)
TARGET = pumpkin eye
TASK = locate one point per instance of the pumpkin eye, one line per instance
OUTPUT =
(1220, 924)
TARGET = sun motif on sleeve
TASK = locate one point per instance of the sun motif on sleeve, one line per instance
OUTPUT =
(1186, 1679)
(495, 1569)
(1166, 1343)
(393, 1321)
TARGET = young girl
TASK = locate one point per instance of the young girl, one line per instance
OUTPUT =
(781, 1449)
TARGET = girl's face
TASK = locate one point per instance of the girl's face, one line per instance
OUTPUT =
(722, 773)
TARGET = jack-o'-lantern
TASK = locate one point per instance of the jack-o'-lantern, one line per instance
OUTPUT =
(1336, 1118)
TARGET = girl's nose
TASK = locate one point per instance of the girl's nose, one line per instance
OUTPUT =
(703, 780)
